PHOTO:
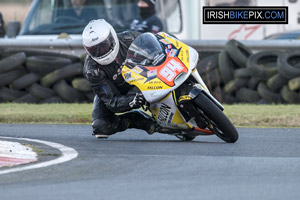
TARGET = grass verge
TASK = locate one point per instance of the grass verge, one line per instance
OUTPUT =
(240, 114)
(46, 113)
(264, 115)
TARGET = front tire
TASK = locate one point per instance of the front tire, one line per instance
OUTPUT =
(219, 123)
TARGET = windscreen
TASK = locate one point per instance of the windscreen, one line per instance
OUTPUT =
(62, 16)
(145, 50)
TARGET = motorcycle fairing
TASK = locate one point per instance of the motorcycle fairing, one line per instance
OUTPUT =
(155, 82)
(169, 70)
(167, 114)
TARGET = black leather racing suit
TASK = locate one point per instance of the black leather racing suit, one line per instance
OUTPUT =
(112, 92)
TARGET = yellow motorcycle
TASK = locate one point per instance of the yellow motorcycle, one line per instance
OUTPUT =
(164, 70)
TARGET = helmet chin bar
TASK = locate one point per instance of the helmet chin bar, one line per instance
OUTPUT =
(106, 60)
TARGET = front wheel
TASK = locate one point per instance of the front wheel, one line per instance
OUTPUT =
(218, 123)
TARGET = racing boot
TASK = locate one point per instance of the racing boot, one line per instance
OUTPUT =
(98, 134)
(138, 119)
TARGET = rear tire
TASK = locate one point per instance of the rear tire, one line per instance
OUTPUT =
(223, 127)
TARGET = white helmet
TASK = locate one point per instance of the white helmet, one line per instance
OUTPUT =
(100, 41)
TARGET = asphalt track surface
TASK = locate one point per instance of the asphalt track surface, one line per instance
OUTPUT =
(263, 164)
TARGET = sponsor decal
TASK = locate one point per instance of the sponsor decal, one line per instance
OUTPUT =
(184, 97)
(165, 41)
(137, 69)
(187, 56)
(154, 87)
(158, 58)
(170, 118)
(155, 82)
(168, 48)
(173, 52)
(128, 77)
(152, 73)
(118, 73)
(164, 112)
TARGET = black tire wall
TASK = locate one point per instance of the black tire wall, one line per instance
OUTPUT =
(42, 77)
(234, 75)
(268, 76)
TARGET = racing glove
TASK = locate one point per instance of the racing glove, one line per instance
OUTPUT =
(137, 101)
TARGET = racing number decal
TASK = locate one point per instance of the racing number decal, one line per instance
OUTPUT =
(170, 71)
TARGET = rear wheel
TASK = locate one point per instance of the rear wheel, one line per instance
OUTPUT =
(219, 124)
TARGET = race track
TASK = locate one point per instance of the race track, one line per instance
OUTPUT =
(263, 164)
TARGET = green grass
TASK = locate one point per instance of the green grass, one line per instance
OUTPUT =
(45, 113)
(240, 114)
(264, 115)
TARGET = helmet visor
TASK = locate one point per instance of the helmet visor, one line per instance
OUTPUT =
(103, 48)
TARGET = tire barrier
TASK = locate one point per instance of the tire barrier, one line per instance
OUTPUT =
(7, 94)
(42, 77)
(264, 77)
(226, 67)
(234, 75)
(12, 62)
(45, 64)
(25, 81)
(207, 64)
(289, 95)
(238, 52)
(288, 64)
(66, 72)
(262, 65)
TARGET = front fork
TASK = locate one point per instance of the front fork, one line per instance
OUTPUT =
(197, 89)
(201, 87)
(188, 94)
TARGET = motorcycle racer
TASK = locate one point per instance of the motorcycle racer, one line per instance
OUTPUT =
(107, 51)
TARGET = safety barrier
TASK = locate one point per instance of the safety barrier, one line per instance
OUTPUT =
(72, 46)
(246, 71)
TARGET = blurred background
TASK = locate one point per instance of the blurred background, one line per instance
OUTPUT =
(252, 63)
(14, 10)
